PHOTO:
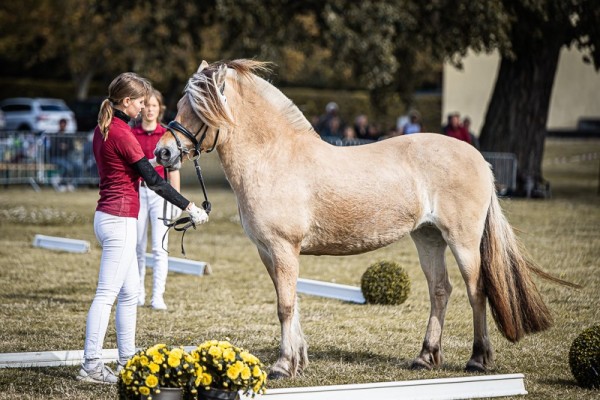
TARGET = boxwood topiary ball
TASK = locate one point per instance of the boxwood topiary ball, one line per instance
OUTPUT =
(385, 282)
(584, 358)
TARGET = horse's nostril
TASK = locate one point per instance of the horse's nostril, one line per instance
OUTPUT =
(164, 154)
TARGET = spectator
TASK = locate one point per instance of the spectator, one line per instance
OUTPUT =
(62, 154)
(467, 126)
(349, 135)
(454, 129)
(361, 127)
(414, 124)
(148, 132)
(374, 132)
(121, 163)
(330, 124)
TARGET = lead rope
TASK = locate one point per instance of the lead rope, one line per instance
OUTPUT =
(182, 224)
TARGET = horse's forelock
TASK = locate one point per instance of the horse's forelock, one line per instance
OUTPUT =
(204, 98)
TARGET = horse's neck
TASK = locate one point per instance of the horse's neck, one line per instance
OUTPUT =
(272, 127)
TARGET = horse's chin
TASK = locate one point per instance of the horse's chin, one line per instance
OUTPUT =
(176, 166)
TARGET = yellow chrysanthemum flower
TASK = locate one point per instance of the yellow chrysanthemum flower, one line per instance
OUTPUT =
(177, 353)
(246, 374)
(144, 391)
(256, 372)
(158, 358)
(154, 367)
(173, 361)
(144, 361)
(206, 379)
(151, 381)
(234, 370)
(215, 351)
(229, 354)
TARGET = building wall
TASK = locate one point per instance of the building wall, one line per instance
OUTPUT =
(576, 92)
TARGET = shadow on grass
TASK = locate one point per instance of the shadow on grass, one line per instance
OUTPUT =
(359, 357)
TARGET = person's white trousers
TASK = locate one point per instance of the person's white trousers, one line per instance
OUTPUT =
(151, 209)
(118, 277)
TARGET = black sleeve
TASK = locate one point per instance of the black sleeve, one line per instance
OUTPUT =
(155, 182)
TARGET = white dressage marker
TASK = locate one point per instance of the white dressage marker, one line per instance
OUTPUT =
(63, 244)
(330, 290)
(183, 265)
(470, 387)
(55, 358)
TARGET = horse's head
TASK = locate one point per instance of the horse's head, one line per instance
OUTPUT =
(201, 113)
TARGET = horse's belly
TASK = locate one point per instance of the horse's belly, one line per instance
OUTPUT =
(350, 244)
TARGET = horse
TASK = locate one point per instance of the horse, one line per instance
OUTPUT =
(297, 194)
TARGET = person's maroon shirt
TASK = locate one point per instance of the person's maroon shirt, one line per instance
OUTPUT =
(148, 141)
(459, 133)
(119, 182)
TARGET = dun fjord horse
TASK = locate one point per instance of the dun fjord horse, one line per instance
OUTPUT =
(300, 195)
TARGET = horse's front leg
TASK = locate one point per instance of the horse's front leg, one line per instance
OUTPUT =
(431, 247)
(283, 267)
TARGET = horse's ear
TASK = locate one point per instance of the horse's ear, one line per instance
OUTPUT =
(203, 65)
(220, 77)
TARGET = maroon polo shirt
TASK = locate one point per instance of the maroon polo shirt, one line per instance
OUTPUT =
(148, 141)
(119, 182)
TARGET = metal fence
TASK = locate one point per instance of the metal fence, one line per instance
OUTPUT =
(504, 166)
(64, 161)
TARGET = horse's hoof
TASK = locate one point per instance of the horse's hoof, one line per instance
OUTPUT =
(474, 366)
(273, 375)
(419, 364)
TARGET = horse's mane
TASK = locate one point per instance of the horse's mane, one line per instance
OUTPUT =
(205, 98)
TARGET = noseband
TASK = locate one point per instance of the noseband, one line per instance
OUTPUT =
(173, 127)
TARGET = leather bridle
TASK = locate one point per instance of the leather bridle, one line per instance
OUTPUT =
(184, 223)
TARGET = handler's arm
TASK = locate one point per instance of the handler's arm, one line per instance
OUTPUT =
(159, 185)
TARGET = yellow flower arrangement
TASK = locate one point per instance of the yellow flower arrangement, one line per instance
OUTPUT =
(157, 367)
(221, 365)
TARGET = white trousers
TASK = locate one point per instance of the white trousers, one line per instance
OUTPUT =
(151, 209)
(118, 277)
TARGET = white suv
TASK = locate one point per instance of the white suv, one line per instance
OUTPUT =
(37, 114)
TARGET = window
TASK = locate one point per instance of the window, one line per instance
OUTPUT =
(53, 107)
(16, 108)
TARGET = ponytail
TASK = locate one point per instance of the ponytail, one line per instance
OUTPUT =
(104, 117)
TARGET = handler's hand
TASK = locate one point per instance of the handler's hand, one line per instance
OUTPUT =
(198, 215)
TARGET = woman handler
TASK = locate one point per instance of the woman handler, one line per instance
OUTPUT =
(121, 163)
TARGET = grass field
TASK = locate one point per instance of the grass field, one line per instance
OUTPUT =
(45, 295)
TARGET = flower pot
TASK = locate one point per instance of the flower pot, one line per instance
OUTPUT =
(217, 394)
(167, 394)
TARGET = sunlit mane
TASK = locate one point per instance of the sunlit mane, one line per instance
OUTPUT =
(203, 94)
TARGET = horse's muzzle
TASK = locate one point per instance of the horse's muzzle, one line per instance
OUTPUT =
(165, 157)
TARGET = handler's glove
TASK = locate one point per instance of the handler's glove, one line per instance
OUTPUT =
(198, 215)
(175, 211)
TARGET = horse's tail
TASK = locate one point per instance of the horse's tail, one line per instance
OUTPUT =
(515, 302)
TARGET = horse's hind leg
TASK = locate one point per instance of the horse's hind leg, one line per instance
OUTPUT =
(469, 262)
(431, 247)
(283, 268)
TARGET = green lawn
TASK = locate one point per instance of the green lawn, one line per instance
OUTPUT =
(45, 295)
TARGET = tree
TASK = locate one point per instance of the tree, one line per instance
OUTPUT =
(518, 112)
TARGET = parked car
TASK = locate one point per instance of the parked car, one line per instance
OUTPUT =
(37, 114)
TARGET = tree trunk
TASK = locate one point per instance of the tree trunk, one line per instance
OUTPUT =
(518, 112)
(82, 82)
